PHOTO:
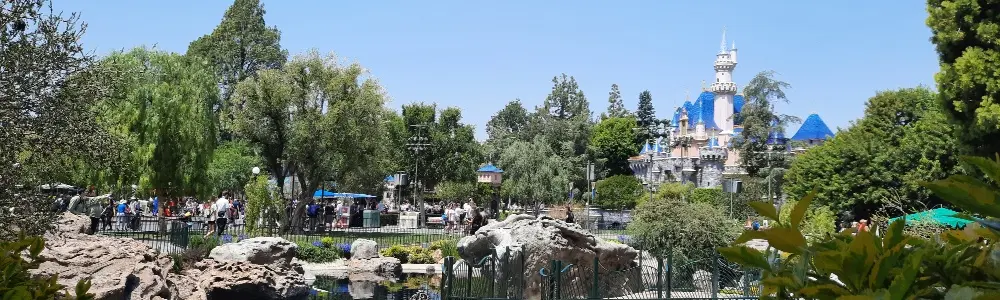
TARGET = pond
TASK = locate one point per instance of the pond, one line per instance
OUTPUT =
(325, 288)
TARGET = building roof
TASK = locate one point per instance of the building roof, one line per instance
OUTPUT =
(390, 178)
(703, 109)
(655, 148)
(489, 168)
(813, 129)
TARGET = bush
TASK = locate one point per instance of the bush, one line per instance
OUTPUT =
(713, 196)
(817, 223)
(398, 251)
(327, 242)
(316, 252)
(411, 254)
(690, 229)
(618, 192)
(17, 282)
(447, 247)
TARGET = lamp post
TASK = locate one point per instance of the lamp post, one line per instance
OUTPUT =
(418, 143)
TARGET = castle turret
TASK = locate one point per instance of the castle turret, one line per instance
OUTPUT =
(724, 87)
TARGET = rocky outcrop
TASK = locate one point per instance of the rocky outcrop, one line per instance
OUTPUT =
(259, 268)
(541, 240)
(367, 265)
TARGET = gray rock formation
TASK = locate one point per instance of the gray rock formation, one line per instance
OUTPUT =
(542, 240)
(251, 269)
(364, 249)
(367, 265)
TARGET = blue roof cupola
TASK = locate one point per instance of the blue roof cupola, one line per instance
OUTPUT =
(489, 168)
(813, 129)
(390, 178)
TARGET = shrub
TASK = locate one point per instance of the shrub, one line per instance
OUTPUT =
(689, 229)
(411, 254)
(327, 242)
(618, 192)
(316, 253)
(447, 247)
(398, 251)
(817, 223)
(17, 282)
(711, 196)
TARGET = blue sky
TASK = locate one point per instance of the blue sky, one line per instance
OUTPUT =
(478, 55)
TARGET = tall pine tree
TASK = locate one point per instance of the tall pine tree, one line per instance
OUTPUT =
(645, 115)
(616, 108)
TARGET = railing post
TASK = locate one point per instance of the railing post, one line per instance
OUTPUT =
(715, 276)
(468, 281)
(746, 283)
(493, 273)
(449, 276)
(557, 278)
(659, 278)
(670, 271)
(595, 289)
(522, 274)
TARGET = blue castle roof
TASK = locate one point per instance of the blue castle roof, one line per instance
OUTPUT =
(703, 109)
(655, 148)
(813, 129)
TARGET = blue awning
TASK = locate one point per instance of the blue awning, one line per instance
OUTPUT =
(329, 194)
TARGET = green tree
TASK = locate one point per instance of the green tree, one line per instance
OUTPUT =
(453, 153)
(533, 173)
(616, 108)
(645, 115)
(231, 166)
(618, 192)
(162, 108)
(964, 33)
(759, 156)
(453, 191)
(264, 205)
(818, 222)
(262, 118)
(508, 125)
(239, 46)
(47, 86)
(689, 229)
(614, 141)
(713, 196)
(879, 161)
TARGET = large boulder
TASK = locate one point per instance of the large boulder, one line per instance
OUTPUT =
(108, 262)
(259, 268)
(364, 249)
(542, 240)
(259, 251)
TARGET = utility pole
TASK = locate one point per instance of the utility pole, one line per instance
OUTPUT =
(418, 143)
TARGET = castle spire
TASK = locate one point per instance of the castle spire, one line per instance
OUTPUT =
(722, 47)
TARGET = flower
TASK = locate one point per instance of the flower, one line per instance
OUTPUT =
(346, 248)
(227, 238)
(317, 243)
(243, 237)
(313, 292)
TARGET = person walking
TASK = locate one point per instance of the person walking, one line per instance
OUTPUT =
(95, 210)
(222, 213)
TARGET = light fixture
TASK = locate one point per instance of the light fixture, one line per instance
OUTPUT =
(255, 170)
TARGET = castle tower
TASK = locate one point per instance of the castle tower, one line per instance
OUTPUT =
(724, 88)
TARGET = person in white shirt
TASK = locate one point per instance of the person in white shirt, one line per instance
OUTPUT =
(222, 213)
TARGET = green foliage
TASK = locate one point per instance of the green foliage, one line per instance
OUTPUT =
(893, 265)
(713, 196)
(618, 192)
(463, 191)
(507, 126)
(818, 222)
(616, 108)
(645, 116)
(240, 45)
(614, 141)
(689, 229)
(231, 165)
(760, 120)
(17, 284)
(327, 242)
(317, 254)
(875, 165)
(410, 254)
(162, 108)
(454, 152)
(447, 247)
(964, 33)
(263, 204)
(532, 172)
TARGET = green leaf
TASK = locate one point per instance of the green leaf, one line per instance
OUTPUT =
(749, 235)
(826, 290)
(957, 292)
(765, 209)
(745, 256)
(988, 166)
(827, 262)
(799, 211)
(37, 244)
(901, 285)
(786, 239)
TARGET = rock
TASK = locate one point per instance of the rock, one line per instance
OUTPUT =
(364, 249)
(375, 269)
(251, 269)
(544, 239)
(260, 251)
(702, 281)
(108, 262)
(362, 289)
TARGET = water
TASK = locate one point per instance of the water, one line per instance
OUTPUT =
(328, 288)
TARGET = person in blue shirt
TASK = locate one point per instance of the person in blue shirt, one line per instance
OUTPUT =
(156, 205)
(120, 214)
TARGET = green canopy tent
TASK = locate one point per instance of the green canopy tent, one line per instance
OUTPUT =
(940, 216)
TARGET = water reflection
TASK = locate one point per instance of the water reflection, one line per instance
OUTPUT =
(328, 288)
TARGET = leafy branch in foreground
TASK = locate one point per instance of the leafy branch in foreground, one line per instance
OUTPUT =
(961, 264)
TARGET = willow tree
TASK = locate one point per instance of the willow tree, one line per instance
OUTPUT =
(162, 109)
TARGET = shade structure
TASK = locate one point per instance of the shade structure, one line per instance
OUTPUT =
(940, 216)
(329, 194)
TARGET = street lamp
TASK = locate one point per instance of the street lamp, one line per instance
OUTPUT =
(417, 143)
(255, 170)
(657, 129)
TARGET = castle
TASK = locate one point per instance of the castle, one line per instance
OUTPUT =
(699, 148)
